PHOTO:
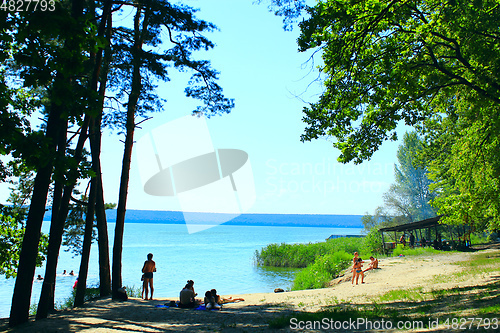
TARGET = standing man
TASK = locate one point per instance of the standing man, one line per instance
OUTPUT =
(148, 269)
(412, 240)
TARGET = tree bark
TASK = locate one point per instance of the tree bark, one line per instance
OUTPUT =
(87, 243)
(46, 303)
(127, 154)
(19, 310)
(95, 147)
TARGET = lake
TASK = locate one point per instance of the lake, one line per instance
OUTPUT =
(221, 257)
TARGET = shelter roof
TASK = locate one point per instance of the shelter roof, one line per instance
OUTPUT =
(427, 223)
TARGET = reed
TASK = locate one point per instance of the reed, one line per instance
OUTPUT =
(302, 255)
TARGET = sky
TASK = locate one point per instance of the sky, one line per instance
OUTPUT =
(270, 81)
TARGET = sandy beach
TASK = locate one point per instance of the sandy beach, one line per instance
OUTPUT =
(136, 315)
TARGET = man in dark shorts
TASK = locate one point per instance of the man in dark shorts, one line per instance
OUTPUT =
(148, 269)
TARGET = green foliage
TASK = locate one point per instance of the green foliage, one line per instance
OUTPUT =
(466, 171)
(385, 61)
(134, 291)
(291, 10)
(410, 195)
(323, 261)
(12, 228)
(324, 269)
(91, 293)
(302, 255)
(430, 64)
(372, 242)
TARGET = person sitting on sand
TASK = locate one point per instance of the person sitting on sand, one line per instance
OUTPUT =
(357, 267)
(187, 296)
(190, 283)
(220, 300)
(372, 265)
(148, 269)
(210, 303)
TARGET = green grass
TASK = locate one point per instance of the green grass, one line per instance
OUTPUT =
(407, 251)
(403, 295)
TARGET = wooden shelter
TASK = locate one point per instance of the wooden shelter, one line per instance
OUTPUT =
(425, 225)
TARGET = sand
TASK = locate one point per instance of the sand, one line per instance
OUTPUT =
(136, 315)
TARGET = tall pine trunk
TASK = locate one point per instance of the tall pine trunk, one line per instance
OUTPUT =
(87, 242)
(127, 154)
(95, 148)
(46, 303)
(19, 311)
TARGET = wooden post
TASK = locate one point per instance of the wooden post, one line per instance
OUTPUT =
(383, 242)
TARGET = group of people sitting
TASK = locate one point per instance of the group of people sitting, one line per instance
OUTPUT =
(212, 301)
(357, 265)
(187, 297)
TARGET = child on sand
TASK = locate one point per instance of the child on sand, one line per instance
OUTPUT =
(372, 265)
(354, 260)
(358, 271)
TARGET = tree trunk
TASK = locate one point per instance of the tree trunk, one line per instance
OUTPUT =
(127, 154)
(87, 242)
(46, 303)
(95, 147)
(19, 310)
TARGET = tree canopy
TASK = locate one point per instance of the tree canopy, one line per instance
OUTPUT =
(429, 64)
(391, 61)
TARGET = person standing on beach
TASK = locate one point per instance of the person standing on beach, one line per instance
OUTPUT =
(354, 261)
(148, 269)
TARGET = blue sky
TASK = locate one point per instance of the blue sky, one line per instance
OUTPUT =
(263, 71)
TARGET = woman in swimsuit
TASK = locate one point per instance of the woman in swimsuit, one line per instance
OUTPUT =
(148, 269)
(354, 260)
(357, 271)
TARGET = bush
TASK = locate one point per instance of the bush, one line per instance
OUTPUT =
(324, 269)
(372, 243)
(302, 255)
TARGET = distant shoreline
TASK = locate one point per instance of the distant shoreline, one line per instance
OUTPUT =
(261, 220)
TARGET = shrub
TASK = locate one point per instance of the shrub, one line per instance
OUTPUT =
(372, 243)
(324, 269)
(302, 255)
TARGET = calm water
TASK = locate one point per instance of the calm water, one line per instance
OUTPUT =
(220, 257)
